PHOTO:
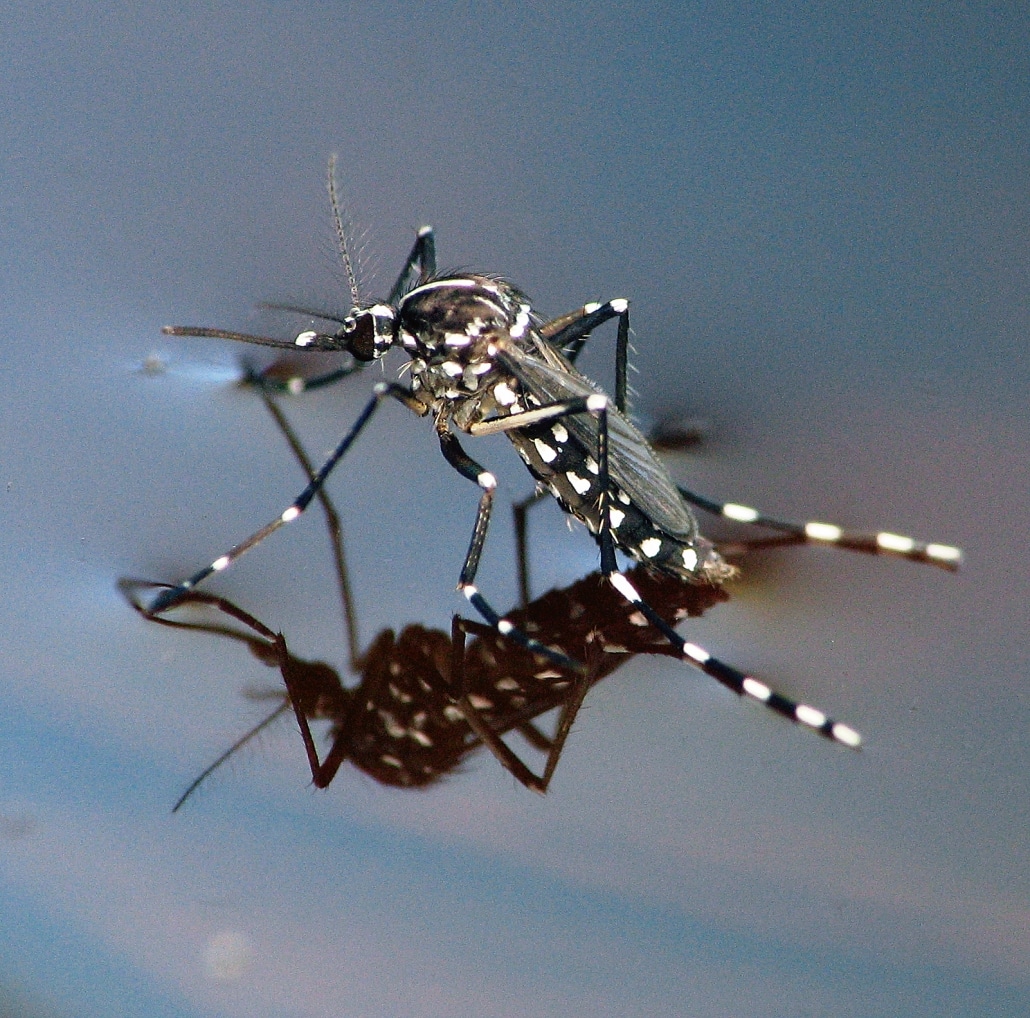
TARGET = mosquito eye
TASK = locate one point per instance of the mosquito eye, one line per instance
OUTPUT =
(361, 337)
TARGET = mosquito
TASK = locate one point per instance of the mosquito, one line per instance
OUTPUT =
(482, 362)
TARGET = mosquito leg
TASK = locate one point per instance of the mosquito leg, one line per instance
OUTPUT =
(570, 333)
(333, 525)
(469, 468)
(730, 677)
(519, 512)
(273, 379)
(419, 265)
(171, 596)
(882, 543)
(305, 683)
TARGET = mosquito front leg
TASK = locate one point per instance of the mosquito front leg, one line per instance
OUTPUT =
(167, 598)
(419, 265)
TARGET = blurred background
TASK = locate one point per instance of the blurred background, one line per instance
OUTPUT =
(820, 215)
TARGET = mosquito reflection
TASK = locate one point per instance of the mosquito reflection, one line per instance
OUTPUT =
(425, 698)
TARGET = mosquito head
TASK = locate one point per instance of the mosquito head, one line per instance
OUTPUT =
(368, 333)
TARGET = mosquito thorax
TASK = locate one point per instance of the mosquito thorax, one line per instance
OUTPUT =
(449, 327)
(448, 316)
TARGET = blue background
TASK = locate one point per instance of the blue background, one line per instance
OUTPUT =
(820, 215)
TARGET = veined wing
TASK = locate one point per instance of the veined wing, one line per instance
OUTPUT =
(632, 464)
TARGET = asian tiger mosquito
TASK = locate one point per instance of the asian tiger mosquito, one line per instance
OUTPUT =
(483, 362)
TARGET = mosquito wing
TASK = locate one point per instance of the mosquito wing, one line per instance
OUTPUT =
(632, 464)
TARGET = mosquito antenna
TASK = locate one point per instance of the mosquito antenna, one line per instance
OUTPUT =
(340, 225)
(231, 751)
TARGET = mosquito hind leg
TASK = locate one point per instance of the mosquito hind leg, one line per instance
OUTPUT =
(570, 332)
(738, 681)
(945, 556)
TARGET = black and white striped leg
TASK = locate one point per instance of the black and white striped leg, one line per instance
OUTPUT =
(419, 265)
(166, 599)
(333, 525)
(570, 332)
(739, 682)
(469, 468)
(945, 556)
(553, 746)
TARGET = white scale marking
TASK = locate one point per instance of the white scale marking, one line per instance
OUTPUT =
(581, 484)
(895, 542)
(503, 394)
(823, 531)
(809, 715)
(651, 547)
(561, 436)
(305, 338)
(220, 563)
(846, 735)
(547, 454)
(696, 653)
(943, 552)
(615, 517)
(759, 690)
(743, 513)
(521, 322)
(624, 587)
(464, 284)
